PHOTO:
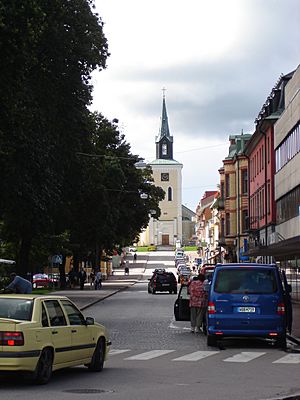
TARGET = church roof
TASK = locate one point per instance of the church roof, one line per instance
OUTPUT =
(163, 161)
(164, 128)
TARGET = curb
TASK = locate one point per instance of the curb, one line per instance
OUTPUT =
(293, 339)
(107, 296)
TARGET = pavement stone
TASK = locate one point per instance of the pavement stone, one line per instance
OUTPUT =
(119, 281)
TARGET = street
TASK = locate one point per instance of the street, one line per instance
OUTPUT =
(154, 356)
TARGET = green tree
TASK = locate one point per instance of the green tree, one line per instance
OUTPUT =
(109, 210)
(48, 51)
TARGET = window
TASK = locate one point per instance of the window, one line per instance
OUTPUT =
(164, 149)
(227, 224)
(55, 312)
(227, 185)
(244, 220)
(246, 281)
(222, 190)
(170, 194)
(288, 148)
(74, 315)
(45, 321)
(288, 206)
(268, 196)
(244, 181)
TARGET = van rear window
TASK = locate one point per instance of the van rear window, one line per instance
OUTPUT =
(256, 281)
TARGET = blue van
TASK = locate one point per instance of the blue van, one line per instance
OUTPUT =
(248, 300)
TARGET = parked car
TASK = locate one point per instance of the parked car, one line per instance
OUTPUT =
(41, 280)
(248, 300)
(182, 305)
(184, 273)
(179, 254)
(162, 281)
(40, 334)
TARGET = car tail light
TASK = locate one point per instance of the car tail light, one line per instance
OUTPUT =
(211, 309)
(273, 334)
(11, 339)
(281, 309)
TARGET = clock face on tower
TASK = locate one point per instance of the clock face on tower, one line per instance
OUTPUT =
(164, 177)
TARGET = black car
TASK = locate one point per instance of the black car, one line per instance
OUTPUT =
(162, 281)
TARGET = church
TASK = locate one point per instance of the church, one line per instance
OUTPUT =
(168, 228)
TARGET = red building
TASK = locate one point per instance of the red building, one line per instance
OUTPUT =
(261, 155)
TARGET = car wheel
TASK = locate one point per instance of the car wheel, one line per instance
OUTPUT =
(211, 341)
(153, 291)
(43, 370)
(97, 361)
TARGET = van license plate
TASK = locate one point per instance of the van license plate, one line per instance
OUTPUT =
(246, 309)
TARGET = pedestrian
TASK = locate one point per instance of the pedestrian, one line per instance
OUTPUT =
(127, 268)
(198, 302)
(18, 285)
(98, 281)
(82, 277)
(134, 257)
(92, 278)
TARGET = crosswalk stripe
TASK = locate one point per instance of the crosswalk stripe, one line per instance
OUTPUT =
(196, 356)
(149, 355)
(244, 356)
(113, 352)
(288, 359)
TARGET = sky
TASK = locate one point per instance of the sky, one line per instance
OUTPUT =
(218, 61)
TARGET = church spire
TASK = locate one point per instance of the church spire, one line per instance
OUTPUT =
(164, 141)
(164, 127)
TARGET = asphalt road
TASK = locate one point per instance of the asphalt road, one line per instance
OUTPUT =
(153, 356)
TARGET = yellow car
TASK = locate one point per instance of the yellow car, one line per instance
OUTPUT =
(40, 334)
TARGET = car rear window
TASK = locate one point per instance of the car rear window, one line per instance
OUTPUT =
(16, 309)
(165, 277)
(256, 281)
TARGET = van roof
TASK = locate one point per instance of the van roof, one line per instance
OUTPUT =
(243, 265)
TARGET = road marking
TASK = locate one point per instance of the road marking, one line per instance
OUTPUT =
(196, 356)
(149, 355)
(288, 359)
(113, 352)
(245, 356)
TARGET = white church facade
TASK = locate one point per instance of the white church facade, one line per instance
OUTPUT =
(166, 229)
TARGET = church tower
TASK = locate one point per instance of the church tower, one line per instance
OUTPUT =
(167, 229)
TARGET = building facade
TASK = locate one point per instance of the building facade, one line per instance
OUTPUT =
(233, 201)
(166, 229)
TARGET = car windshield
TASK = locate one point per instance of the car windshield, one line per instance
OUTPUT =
(16, 308)
(256, 281)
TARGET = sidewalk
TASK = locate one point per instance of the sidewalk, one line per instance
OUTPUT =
(114, 284)
(295, 336)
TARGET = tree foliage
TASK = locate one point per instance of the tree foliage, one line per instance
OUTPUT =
(49, 191)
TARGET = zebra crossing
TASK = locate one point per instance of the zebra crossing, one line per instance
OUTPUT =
(240, 357)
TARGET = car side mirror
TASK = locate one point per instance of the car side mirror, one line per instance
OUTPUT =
(289, 288)
(89, 321)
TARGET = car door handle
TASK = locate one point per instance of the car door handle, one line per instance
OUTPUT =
(54, 332)
(73, 330)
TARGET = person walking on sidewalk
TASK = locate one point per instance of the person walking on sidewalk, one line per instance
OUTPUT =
(82, 277)
(198, 302)
(98, 281)
(127, 268)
